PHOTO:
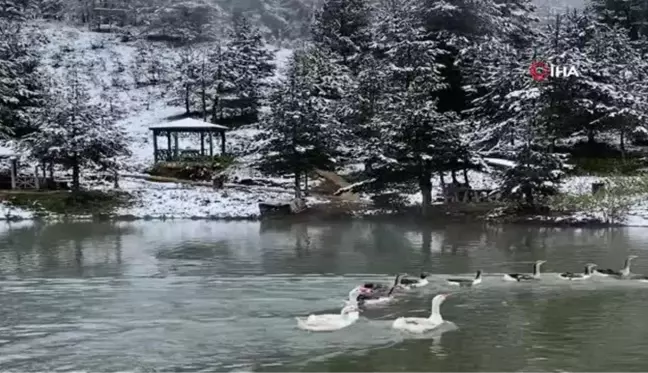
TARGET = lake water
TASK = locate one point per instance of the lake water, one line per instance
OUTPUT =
(215, 296)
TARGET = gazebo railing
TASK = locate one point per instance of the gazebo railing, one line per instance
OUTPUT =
(164, 155)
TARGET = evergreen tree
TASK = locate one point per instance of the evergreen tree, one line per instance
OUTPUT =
(75, 132)
(535, 176)
(251, 61)
(632, 15)
(344, 28)
(21, 88)
(417, 140)
(299, 136)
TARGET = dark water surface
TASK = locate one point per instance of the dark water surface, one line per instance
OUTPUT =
(214, 296)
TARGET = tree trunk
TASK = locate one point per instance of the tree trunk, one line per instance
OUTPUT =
(297, 185)
(591, 139)
(187, 101)
(465, 175)
(426, 192)
(76, 175)
(454, 177)
(622, 145)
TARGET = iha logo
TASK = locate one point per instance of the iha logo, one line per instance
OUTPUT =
(540, 71)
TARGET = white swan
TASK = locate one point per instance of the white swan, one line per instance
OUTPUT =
(422, 324)
(330, 322)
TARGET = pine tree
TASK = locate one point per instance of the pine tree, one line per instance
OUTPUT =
(21, 82)
(417, 140)
(252, 64)
(299, 136)
(75, 132)
(344, 28)
(632, 15)
(185, 81)
(188, 21)
(535, 176)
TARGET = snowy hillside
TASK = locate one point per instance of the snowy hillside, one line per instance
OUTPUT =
(107, 63)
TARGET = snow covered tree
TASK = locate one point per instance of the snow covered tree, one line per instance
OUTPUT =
(417, 141)
(21, 88)
(252, 63)
(535, 176)
(75, 132)
(299, 136)
(188, 21)
(185, 80)
(632, 15)
(344, 28)
(222, 78)
(147, 67)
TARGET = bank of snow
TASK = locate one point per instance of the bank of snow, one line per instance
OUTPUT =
(11, 213)
(181, 201)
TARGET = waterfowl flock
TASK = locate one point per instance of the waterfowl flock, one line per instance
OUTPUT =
(377, 294)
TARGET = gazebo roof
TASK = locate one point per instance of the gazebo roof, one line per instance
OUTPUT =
(189, 124)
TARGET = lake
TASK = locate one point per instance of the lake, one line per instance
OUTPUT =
(223, 296)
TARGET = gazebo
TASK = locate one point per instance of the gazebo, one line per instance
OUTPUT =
(187, 125)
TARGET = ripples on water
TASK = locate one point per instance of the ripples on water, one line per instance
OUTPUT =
(231, 306)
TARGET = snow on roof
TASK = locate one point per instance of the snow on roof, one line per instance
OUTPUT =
(6, 152)
(499, 162)
(188, 124)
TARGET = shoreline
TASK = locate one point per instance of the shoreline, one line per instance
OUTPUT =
(316, 215)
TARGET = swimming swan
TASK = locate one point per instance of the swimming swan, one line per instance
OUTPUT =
(330, 322)
(422, 324)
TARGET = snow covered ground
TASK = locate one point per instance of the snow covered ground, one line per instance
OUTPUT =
(180, 201)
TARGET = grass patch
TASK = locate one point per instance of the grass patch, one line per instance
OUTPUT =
(610, 205)
(607, 166)
(69, 203)
(192, 170)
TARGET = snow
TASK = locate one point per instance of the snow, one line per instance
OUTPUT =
(180, 201)
(8, 212)
(500, 162)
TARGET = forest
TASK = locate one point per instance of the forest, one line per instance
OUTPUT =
(410, 88)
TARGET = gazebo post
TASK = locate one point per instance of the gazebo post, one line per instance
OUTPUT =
(168, 157)
(175, 146)
(155, 146)
(202, 144)
(222, 135)
(211, 144)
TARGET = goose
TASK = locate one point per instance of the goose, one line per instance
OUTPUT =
(624, 272)
(409, 283)
(579, 276)
(422, 324)
(330, 322)
(378, 297)
(523, 276)
(466, 282)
